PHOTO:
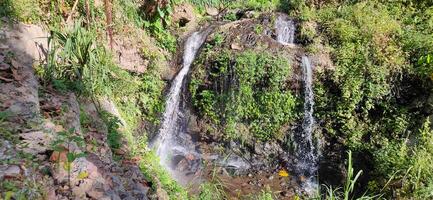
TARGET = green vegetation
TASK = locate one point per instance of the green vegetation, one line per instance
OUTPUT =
(245, 93)
(349, 185)
(157, 24)
(212, 189)
(161, 178)
(260, 5)
(377, 97)
(376, 100)
(113, 125)
(62, 144)
(22, 10)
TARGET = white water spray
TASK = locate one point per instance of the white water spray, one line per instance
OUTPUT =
(285, 29)
(306, 165)
(171, 140)
(305, 149)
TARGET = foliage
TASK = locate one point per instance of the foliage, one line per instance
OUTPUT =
(27, 189)
(78, 62)
(131, 11)
(410, 164)
(245, 90)
(349, 185)
(259, 5)
(212, 190)
(113, 124)
(153, 171)
(63, 143)
(265, 195)
(380, 50)
(425, 66)
(162, 35)
(22, 10)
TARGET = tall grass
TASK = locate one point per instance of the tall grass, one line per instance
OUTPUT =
(213, 189)
(77, 61)
(349, 185)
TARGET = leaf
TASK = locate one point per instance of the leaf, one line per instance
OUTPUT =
(71, 157)
(283, 173)
(67, 166)
(83, 175)
(80, 155)
(9, 195)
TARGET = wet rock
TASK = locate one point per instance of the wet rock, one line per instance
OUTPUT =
(192, 124)
(183, 165)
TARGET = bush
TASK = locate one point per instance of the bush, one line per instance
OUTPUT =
(244, 90)
(381, 71)
(78, 61)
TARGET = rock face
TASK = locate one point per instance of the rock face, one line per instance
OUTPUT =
(128, 53)
(184, 17)
(19, 86)
(44, 124)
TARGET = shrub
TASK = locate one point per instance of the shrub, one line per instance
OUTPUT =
(247, 89)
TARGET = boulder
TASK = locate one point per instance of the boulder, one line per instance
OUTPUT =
(11, 172)
(36, 142)
(212, 11)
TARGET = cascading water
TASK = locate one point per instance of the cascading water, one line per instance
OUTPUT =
(306, 163)
(172, 143)
(285, 29)
(305, 149)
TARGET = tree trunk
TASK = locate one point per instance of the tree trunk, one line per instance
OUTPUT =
(109, 21)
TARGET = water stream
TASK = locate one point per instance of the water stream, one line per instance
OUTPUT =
(173, 144)
(305, 148)
(305, 153)
(285, 29)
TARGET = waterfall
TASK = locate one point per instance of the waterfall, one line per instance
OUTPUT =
(285, 29)
(305, 153)
(172, 143)
(305, 149)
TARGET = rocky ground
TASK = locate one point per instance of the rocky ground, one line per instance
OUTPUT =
(46, 152)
